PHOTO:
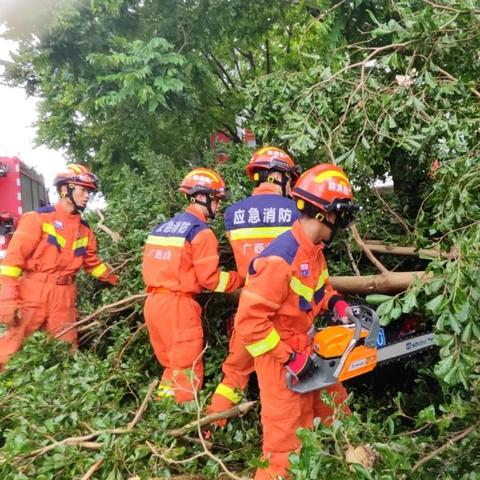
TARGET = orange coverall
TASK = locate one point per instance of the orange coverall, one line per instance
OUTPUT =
(38, 272)
(251, 224)
(288, 285)
(180, 260)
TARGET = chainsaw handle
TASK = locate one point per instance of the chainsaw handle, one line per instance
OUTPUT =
(356, 321)
(289, 379)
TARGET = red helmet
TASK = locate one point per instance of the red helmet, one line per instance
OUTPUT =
(78, 175)
(203, 180)
(271, 158)
(328, 189)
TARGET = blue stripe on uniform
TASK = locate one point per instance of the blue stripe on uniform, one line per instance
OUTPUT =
(183, 225)
(284, 246)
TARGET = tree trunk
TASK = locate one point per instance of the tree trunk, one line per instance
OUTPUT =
(388, 282)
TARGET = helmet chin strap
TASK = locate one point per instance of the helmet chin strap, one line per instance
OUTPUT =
(334, 228)
(207, 204)
(281, 183)
(333, 232)
(76, 207)
(320, 217)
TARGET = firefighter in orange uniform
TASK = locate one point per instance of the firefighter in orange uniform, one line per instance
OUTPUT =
(287, 286)
(251, 224)
(180, 260)
(37, 276)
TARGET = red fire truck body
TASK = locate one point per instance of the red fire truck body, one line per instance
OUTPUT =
(21, 190)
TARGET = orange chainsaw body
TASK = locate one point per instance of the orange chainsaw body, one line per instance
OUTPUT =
(332, 342)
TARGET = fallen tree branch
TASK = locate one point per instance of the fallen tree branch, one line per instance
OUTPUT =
(236, 411)
(93, 469)
(389, 282)
(125, 302)
(454, 79)
(190, 439)
(168, 460)
(143, 406)
(65, 441)
(127, 343)
(115, 236)
(367, 250)
(448, 444)
(88, 327)
(352, 260)
(451, 9)
(91, 445)
(397, 217)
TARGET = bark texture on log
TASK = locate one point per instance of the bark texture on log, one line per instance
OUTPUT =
(399, 250)
(388, 282)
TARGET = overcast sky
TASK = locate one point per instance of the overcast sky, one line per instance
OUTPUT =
(17, 114)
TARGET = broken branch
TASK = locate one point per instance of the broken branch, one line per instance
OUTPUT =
(235, 411)
(448, 444)
(125, 303)
(367, 250)
(93, 469)
(115, 236)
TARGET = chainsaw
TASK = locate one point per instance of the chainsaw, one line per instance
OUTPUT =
(342, 352)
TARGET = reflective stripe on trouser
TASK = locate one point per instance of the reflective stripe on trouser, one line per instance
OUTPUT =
(236, 368)
(45, 306)
(282, 413)
(164, 390)
(175, 329)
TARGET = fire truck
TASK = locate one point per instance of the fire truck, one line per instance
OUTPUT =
(21, 190)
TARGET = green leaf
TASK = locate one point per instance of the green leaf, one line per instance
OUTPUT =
(452, 377)
(443, 367)
(467, 332)
(453, 320)
(434, 286)
(409, 302)
(397, 311)
(435, 304)
(377, 298)
(426, 415)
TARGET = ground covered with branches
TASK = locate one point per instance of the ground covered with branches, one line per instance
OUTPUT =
(382, 88)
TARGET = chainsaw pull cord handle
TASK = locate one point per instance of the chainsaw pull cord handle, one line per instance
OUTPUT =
(353, 342)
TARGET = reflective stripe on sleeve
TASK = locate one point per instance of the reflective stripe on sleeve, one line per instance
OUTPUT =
(322, 279)
(222, 282)
(263, 346)
(50, 229)
(257, 232)
(81, 242)
(165, 241)
(14, 272)
(301, 289)
(228, 393)
(99, 270)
